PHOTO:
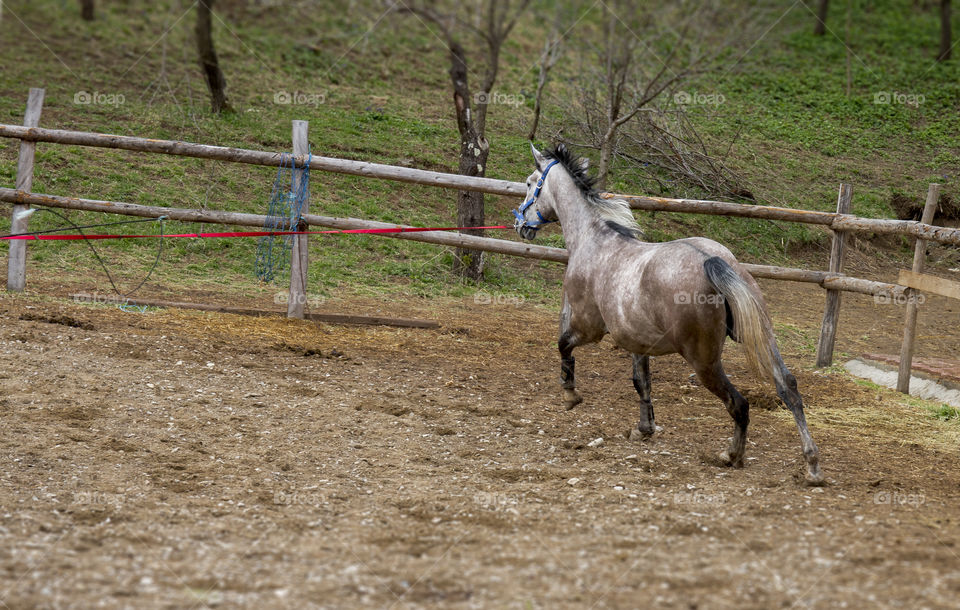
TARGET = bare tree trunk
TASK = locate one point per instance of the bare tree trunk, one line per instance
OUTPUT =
(86, 10)
(846, 44)
(470, 263)
(474, 150)
(493, 27)
(208, 58)
(618, 58)
(541, 83)
(606, 157)
(551, 53)
(946, 35)
(820, 27)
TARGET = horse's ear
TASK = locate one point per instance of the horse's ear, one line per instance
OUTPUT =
(537, 156)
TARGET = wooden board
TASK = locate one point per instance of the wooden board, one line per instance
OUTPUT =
(929, 283)
(330, 318)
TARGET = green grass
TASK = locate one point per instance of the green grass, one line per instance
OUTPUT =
(936, 410)
(378, 91)
(797, 338)
(797, 133)
(944, 412)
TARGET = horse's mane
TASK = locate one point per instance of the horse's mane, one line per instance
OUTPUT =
(614, 212)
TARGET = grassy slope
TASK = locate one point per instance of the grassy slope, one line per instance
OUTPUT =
(385, 98)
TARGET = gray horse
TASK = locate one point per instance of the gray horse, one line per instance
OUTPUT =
(684, 296)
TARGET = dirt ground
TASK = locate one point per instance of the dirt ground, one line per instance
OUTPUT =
(175, 459)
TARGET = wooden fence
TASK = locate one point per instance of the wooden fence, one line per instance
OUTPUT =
(834, 281)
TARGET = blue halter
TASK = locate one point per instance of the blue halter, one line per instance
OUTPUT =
(519, 213)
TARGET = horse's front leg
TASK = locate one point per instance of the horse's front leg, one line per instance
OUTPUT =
(566, 343)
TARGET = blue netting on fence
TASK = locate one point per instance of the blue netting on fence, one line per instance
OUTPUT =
(286, 206)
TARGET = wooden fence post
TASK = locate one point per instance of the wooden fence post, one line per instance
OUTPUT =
(910, 322)
(17, 258)
(299, 260)
(831, 311)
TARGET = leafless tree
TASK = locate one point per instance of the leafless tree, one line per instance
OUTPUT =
(946, 35)
(630, 69)
(86, 9)
(208, 58)
(638, 55)
(552, 51)
(664, 145)
(489, 23)
(820, 27)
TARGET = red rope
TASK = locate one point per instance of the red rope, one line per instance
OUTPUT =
(253, 233)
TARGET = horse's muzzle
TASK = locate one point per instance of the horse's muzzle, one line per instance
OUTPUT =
(525, 231)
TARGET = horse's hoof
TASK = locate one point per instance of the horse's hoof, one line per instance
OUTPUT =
(727, 460)
(638, 435)
(814, 477)
(571, 399)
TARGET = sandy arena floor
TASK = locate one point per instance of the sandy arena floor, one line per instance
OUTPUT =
(174, 459)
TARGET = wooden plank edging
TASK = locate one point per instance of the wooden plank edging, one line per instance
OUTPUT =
(332, 318)
(929, 283)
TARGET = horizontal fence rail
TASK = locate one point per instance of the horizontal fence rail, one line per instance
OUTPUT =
(724, 208)
(269, 159)
(831, 220)
(500, 246)
(835, 281)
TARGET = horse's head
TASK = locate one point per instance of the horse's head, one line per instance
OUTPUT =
(537, 209)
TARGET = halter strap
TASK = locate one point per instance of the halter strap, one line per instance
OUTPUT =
(519, 213)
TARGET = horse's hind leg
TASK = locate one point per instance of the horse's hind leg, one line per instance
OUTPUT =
(641, 381)
(787, 390)
(715, 379)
